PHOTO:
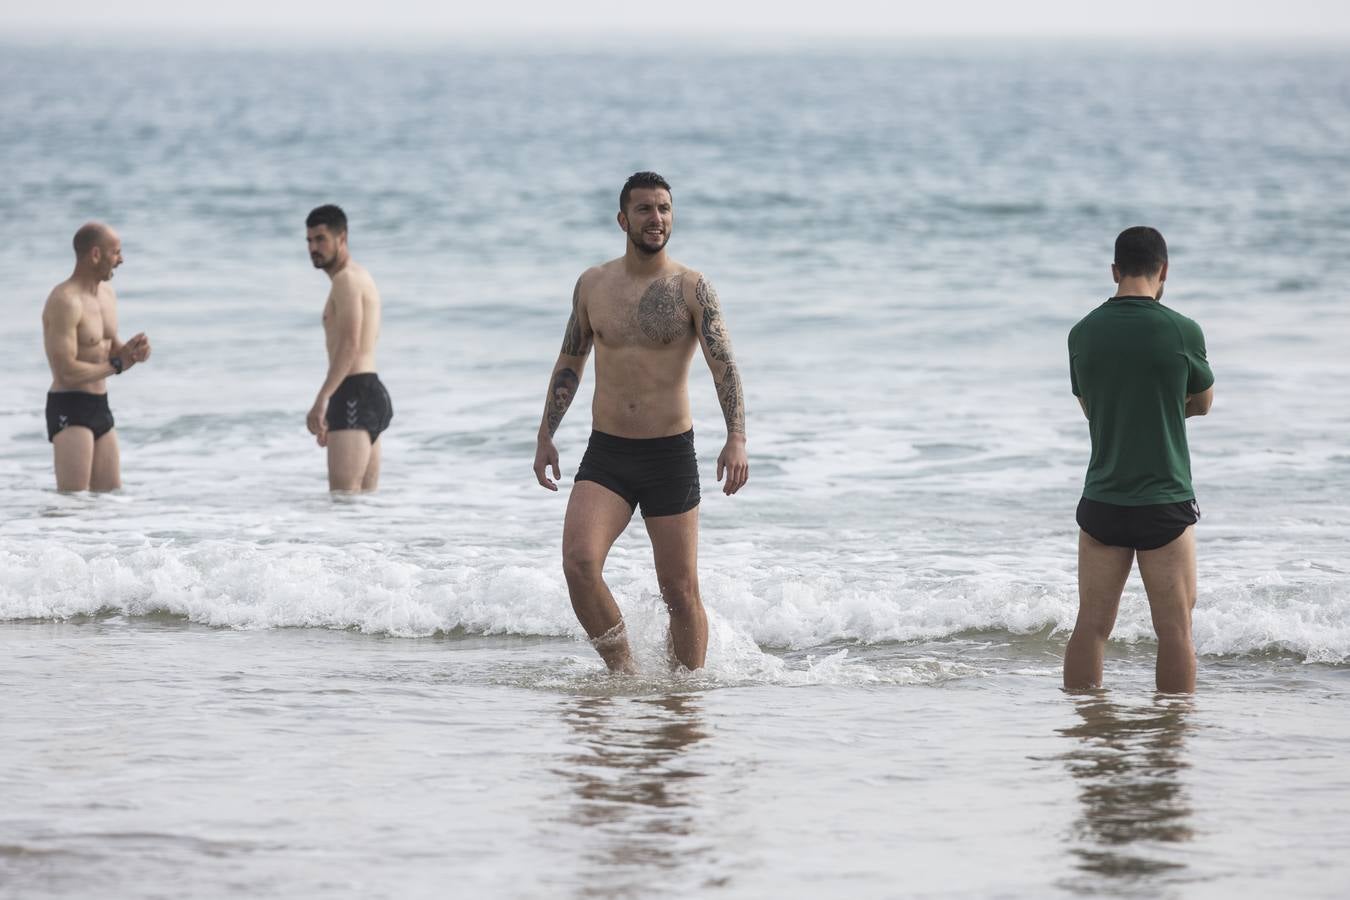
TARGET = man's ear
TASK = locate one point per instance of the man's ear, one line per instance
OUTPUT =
(1115, 273)
(623, 222)
(1162, 274)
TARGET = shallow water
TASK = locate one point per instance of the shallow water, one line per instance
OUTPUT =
(224, 682)
(149, 757)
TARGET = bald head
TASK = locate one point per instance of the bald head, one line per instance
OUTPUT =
(91, 235)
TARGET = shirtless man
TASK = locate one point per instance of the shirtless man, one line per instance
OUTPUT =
(1139, 370)
(352, 407)
(644, 313)
(79, 332)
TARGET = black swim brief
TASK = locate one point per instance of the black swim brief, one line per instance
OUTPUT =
(81, 408)
(360, 402)
(1136, 527)
(661, 473)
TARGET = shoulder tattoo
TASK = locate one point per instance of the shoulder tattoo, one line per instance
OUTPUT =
(575, 342)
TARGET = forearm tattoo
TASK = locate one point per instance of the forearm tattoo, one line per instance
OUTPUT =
(575, 342)
(560, 395)
(729, 391)
(732, 398)
(662, 314)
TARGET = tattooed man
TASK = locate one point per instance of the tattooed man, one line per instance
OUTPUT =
(643, 313)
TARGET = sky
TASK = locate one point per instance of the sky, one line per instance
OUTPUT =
(577, 19)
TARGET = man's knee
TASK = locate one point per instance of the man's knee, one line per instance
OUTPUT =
(582, 564)
(1173, 632)
(1093, 629)
(680, 595)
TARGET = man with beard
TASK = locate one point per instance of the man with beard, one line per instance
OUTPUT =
(644, 313)
(352, 407)
(79, 333)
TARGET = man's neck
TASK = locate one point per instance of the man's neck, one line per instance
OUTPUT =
(640, 265)
(338, 265)
(1138, 287)
(86, 279)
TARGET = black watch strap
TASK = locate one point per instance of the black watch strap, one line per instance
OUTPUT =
(116, 363)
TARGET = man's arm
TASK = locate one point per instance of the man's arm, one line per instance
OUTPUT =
(562, 388)
(716, 343)
(1199, 404)
(346, 345)
(1083, 405)
(60, 329)
(137, 349)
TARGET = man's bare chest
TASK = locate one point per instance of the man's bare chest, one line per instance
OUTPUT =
(92, 328)
(652, 315)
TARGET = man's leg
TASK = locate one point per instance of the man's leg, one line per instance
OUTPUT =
(73, 453)
(1170, 581)
(107, 470)
(371, 479)
(596, 516)
(675, 548)
(1102, 570)
(348, 458)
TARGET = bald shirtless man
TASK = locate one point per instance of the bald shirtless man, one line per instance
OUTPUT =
(352, 408)
(79, 332)
(644, 313)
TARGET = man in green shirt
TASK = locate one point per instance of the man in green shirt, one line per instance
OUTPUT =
(1139, 371)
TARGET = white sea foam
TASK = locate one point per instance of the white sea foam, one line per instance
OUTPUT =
(241, 585)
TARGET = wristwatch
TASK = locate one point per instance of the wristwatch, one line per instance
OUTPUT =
(116, 363)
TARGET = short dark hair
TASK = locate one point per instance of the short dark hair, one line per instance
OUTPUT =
(90, 235)
(329, 215)
(642, 180)
(1140, 251)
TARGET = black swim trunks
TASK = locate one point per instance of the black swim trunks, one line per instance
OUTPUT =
(67, 408)
(661, 473)
(360, 402)
(1136, 527)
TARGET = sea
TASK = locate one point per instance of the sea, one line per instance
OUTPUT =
(221, 681)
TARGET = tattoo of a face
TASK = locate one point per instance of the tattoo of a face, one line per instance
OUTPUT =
(560, 395)
(575, 343)
(732, 398)
(662, 314)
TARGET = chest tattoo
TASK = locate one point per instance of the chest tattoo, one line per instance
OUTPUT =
(662, 314)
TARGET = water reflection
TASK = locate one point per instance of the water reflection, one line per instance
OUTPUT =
(635, 790)
(1128, 764)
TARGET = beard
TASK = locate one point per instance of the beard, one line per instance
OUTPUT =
(639, 241)
(320, 262)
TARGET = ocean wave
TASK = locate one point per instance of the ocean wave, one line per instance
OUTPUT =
(240, 585)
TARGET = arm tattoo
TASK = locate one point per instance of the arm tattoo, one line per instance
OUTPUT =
(714, 330)
(560, 395)
(575, 343)
(729, 391)
(732, 398)
(662, 314)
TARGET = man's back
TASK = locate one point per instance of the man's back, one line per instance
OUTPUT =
(1133, 362)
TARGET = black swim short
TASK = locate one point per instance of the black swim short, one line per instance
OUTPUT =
(360, 402)
(67, 408)
(1136, 527)
(661, 473)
